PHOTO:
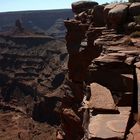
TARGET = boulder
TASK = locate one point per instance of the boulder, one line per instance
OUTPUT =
(130, 27)
(81, 17)
(134, 9)
(118, 15)
(71, 124)
(98, 15)
(107, 8)
(80, 6)
(101, 99)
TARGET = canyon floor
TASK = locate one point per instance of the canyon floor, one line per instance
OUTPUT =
(32, 70)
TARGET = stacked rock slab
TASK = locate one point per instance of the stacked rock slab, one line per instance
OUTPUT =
(78, 63)
(80, 6)
(119, 16)
(109, 126)
(80, 58)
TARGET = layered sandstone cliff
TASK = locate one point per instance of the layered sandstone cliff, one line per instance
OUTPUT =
(100, 91)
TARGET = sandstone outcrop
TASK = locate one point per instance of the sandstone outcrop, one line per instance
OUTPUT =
(91, 94)
(79, 60)
(101, 61)
(117, 15)
(134, 9)
(107, 8)
(81, 6)
(98, 15)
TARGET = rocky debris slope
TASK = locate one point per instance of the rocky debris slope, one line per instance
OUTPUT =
(17, 126)
(100, 91)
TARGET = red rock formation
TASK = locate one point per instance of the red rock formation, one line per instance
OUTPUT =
(80, 6)
(134, 9)
(84, 40)
(79, 60)
(29, 72)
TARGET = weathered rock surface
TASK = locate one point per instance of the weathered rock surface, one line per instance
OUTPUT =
(101, 99)
(135, 9)
(100, 55)
(111, 59)
(84, 109)
(134, 132)
(107, 8)
(117, 15)
(98, 16)
(109, 126)
(81, 6)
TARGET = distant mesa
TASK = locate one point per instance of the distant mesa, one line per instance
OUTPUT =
(40, 23)
(17, 30)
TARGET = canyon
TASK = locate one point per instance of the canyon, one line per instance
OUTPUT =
(81, 87)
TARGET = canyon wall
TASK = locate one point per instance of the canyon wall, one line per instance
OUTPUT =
(99, 91)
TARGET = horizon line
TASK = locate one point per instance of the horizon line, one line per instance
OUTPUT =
(26, 10)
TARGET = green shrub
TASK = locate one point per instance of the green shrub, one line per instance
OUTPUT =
(135, 34)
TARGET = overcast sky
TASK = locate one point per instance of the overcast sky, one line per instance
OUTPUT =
(20, 5)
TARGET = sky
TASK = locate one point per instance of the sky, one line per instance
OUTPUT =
(21, 5)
